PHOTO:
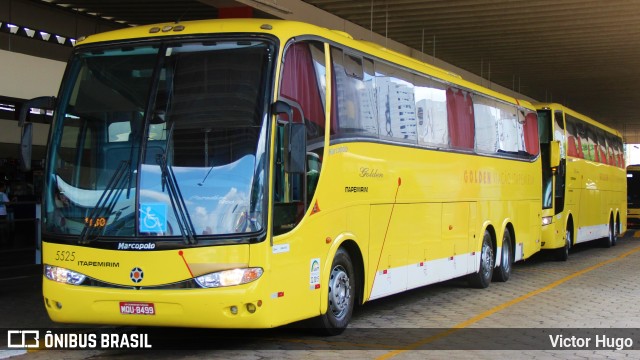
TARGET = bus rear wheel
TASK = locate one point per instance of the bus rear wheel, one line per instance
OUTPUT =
(482, 278)
(503, 272)
(341, 295)
(611, 238)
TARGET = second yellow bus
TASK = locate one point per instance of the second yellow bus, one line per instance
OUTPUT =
(584, 196)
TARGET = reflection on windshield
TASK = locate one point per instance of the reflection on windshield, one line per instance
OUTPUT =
(218, 206)
(206, 130)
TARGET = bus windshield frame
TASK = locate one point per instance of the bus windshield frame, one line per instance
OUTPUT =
(162, 140)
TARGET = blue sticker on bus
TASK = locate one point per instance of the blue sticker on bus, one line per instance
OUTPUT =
(153, 218)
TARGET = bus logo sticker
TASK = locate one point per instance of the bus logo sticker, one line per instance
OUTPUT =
(153, 218)
(314, 278)
(136, 275)
(280, 248)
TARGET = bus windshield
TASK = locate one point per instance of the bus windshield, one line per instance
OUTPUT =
(160, 140)
(633, 187)
(545, 133)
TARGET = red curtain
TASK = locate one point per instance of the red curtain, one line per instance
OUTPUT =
(531, 141)
(460, 118)
(580, 151)
(603, 155)
(299, 83)
(621, 160)
(572, 150)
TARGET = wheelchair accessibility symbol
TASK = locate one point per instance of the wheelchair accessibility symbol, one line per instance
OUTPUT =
(153, 218)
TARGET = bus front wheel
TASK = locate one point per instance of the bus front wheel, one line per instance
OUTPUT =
(482, 278)
(562, 254)
(341, 293)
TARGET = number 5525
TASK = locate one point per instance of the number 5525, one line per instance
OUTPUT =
(65, 255)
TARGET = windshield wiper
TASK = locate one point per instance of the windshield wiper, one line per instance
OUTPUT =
(107, 200)
(177, 201)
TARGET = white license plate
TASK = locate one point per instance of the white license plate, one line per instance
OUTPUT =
(136, 308)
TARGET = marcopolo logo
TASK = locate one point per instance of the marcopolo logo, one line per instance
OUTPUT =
(136, 246)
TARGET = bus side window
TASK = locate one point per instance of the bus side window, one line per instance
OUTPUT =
(287, 204)
(559, 134)
(602, 146)
(581, 135)
(431, 112)
(301, 86)
(353, 105)
(486, 124)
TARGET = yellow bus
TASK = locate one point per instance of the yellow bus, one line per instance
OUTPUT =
(584, 195)
(253, 173)
(633, 196)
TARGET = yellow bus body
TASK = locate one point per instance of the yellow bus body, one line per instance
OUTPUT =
(595, 191)
(408, 216)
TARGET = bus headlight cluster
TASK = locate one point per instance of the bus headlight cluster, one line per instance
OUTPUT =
(229, 277)
(63, 275)
(547, 220)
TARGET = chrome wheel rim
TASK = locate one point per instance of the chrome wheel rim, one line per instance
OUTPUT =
(506, 256)
(339, 292)
(486, 260)
(611, 234)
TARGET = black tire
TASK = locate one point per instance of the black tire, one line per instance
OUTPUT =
(562, 254)
(342, 293)
(615, 233)
(609, 240)
(482, 278)
(503, 272)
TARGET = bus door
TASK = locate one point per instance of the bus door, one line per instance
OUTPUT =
(551, 128)
(296, 249)
(560, 175)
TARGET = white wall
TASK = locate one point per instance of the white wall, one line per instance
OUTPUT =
(26, 77)
(632, 152)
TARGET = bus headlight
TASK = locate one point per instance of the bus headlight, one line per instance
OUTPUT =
(547, 220)
(229, 277)
(63, 275)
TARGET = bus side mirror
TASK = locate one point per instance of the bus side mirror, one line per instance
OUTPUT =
(295, 139)
(26, 146)
(281, 107)
(44, 103)
(555, 154)
(295, 148)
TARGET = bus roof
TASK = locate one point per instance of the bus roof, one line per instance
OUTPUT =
(556, 106)
(285, 30)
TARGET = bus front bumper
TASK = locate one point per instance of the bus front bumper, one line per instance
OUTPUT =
(231, 307)
(552, 238)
